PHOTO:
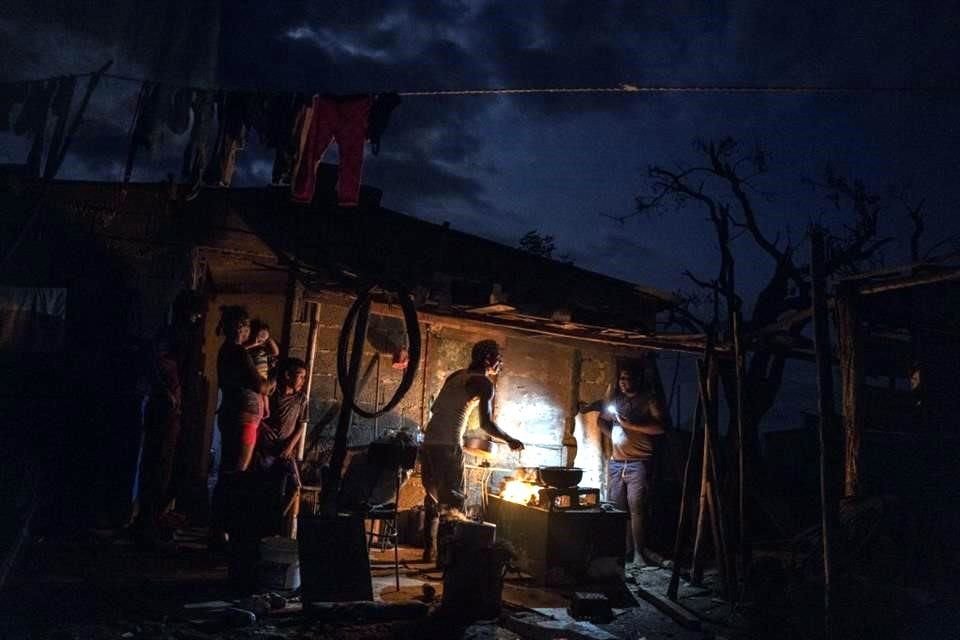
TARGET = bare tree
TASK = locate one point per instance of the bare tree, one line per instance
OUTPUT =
(916, 210)
(538, 244)
(724, 186)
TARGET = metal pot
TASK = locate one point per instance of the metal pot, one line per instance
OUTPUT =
(480, 447)
(560, 477)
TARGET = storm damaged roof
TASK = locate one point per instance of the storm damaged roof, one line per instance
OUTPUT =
(256, 236)
(444, 267)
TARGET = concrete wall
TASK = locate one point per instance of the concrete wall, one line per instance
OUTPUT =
(535, 398)
(535, 393)
(597, 375)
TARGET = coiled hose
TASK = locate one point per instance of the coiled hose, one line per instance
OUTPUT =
(412, 327)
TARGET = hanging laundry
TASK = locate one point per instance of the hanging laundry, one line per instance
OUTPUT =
(32, 121)
(383, 106)
(196, 156)
(328, 118)
(231, 138)
(178, 120)
(284, 163)
(158, 118)
(60, 108)
(10, 96)
(152, 113)
(273, 117)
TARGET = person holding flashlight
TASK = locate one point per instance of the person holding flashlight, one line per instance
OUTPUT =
(633, 418)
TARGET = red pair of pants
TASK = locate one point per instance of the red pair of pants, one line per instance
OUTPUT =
(343, 120)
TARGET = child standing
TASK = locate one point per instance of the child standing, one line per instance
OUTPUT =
(263, 349)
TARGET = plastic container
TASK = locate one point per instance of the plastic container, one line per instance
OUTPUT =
(279, 566)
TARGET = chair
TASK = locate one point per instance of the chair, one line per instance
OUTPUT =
(386, 514)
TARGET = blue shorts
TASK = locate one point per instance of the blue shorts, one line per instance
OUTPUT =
(627, 482)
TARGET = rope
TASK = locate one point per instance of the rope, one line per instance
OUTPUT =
(622, 88)
(632, 88)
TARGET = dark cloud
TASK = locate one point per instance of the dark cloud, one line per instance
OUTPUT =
(173, 41)
(890, 43)
(501, 166)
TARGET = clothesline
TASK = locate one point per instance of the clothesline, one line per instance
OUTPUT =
(618, 89)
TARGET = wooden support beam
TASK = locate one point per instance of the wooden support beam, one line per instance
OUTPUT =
(294, 506)
(696, 563)
(529, 326)
(850, 348)
(717, 512)
(679, 614)
(743, 534)
(314, 314)
(673, 588)
(828, 490)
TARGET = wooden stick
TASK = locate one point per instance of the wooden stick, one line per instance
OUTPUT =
(828, 494)
(696, 567)
(680, 615)
(681, 519)
(714, 499)
(293, 509)
(311, 364)
(716, 535)
(850, 349)
(742, 533)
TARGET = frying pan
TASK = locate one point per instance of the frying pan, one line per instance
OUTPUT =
(560, 477)
(480, 447)
(557, 477)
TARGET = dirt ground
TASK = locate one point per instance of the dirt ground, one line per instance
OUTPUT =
(97, 585)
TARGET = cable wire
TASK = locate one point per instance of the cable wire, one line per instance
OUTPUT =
(622, 88)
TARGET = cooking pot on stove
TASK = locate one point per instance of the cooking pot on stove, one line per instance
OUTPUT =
(560, 477)
(480, 447)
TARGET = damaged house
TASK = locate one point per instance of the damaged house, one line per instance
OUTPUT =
(128, 259)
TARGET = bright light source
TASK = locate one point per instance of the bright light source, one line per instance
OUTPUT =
(520, 492)
(611, 408)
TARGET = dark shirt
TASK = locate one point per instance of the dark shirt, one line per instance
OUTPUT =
(629, 444)
(287, 411)
(238, 380)
(165, 386)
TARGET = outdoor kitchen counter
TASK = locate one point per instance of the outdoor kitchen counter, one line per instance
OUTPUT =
(565, 547)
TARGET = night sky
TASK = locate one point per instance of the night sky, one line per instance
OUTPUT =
(500, 166)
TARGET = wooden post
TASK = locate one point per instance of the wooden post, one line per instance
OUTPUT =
(294, 507)
(850, 347)
(711, 505)
(696, 562)
(742, 532)
(718, 521)
(828, 493)
(682, 518)
(716, 534)
(696, 566)
(311, 364)
(290, 311)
